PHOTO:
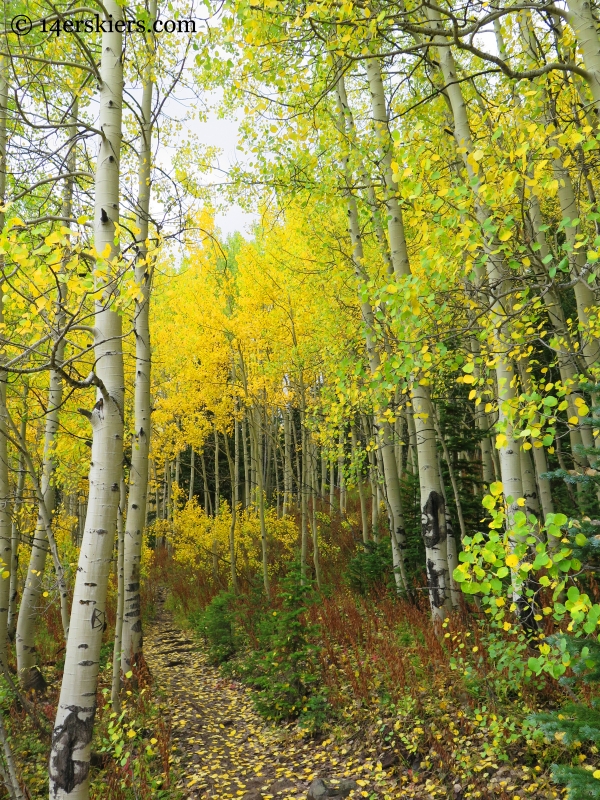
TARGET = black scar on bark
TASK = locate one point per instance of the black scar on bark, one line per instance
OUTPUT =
(433, 580)
(137, 626)
(430, 520)
(73, 734)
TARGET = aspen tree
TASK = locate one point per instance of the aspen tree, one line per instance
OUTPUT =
(135, 518)
(391, 470)
(510, 462)
(5, 521)
(72, 736)
(28, 671)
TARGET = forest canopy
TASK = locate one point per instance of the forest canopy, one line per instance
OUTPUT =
(346, 461)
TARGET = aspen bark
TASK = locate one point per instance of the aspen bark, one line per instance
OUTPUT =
(117, 647)
(510, 463)
(193, 473)
(583, 23)
(433, 507)
(361, 489)
(254, 432)
(15, 532)
(287, 465)
(71, 742)
(5, 521)
(387, 445)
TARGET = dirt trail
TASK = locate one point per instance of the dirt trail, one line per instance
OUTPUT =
(224, 748)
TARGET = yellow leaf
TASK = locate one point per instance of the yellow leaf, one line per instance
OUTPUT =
(468, 379)
(6, 574)
(507, 626)
(131, 733)
(500, 441)
(45, 594)
(511, 561)
(583, 410)
(472, 394)
(505, 235)
(573, 420)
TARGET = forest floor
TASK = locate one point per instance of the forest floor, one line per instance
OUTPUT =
(221, 747)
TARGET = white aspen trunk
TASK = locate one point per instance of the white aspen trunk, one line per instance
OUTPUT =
(217, 487)
(303, 498)
(71, 742)
(117, 647)
(193, 473)
(451, 548)
(583, 23)
(453, 480)
(16, 530)
(398, 249)
(341, 479)
(5, 521)
(28, 671)
(530, 492)
(510, 463)
(387, 444)
(539, 459)
(287, 462)
(255, 432)
(364, 518)
(207, 503)
(433, 508)
(323, 474)
(331, 486)
(246, 463)
(313, 513)
(233, 472)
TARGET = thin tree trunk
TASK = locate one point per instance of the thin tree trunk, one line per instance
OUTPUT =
(193, 474)
(233, 472)
(73, 727)
(16, 529)
(217, 487)
(140, 445)
(117, 647)
(361, 489)
(287, 465)
(261, 504)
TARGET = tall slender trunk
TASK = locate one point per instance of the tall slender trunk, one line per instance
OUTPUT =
(246, 462)
(5, 522)
(287, 464)
(510, 463)
(233, 473)
(398, 535)
(341, 479)
(193, 473)
(364, 518)
(433, 507)
(71, 742)
(217, 487)
(313, 512)
(117, 647)
(303, 496)
(582, 21)
(16, 528)
(207, 501)
(255, 432)
(28, 671)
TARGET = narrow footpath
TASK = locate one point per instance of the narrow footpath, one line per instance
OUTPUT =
(224, 749)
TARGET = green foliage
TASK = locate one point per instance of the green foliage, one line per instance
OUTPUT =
(217, 625)
(285, 668)
(371, 567)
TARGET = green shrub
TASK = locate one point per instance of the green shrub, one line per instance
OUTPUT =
(371, 567)
(285, 668)
(217, 624)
